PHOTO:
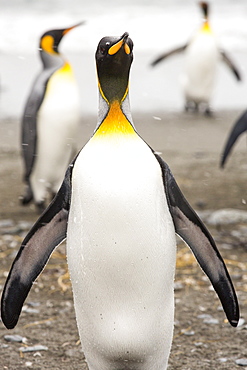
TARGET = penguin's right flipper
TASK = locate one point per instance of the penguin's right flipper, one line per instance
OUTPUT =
(168, 54)
(46, 234)
(239, 127)
(195, 234)
(231, 65)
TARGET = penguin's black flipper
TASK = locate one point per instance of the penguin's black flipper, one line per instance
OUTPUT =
(168, 54)
(231, 65)
(239, 127)
(192, 230)
(29, 119)
(46, 234)
(29, 124)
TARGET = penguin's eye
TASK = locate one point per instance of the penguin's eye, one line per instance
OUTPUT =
(104, 48)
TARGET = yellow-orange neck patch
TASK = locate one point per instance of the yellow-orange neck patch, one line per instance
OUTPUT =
(115, 122)
(66, 68)
(61, 75)
(206, 27)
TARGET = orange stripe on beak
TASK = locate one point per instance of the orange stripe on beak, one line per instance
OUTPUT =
(116, 47)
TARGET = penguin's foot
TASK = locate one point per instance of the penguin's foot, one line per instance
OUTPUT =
(27, 196)
(202, 107)
(40, 206)
(205, 109)
(191, 106)
(208, 112)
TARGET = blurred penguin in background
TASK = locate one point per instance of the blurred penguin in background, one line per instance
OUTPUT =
(50, 122)
(201, 59)
(238, 128)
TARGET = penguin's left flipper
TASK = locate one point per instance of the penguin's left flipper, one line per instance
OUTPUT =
(46, 234)
(168, 54)
(192, 230)
(239, 127)
(231, 65)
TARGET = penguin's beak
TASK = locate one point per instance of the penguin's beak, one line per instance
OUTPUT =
(117, 46)
(71, 28)
(204, 6)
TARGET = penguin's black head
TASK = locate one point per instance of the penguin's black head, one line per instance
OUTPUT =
(50, 40)
(205, 8)
(113, 60)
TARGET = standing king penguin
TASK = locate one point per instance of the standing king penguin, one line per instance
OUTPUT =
(50, 122)
(201, 59)
(119, 207)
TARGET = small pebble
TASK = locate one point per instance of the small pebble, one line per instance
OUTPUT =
(71, 352)
(220, 308)
(211, 321)
(33, 304)
(29, 309)
(208, 319)
(188, 332)
(24, 225)
(226, 246)
(236, 276)
(6, 223)
(3, 345)
(227, 217)
(38, 347)
(28, 364)
(241, 362)
(178, 286)
(223, 359)
(241, 322)
(15, 338)
(204, 316)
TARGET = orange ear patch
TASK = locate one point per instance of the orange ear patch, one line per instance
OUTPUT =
(47, 43)
(206, 27)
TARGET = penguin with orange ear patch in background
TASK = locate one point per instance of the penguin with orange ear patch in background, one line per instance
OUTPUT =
(50, 122)
(202, 55)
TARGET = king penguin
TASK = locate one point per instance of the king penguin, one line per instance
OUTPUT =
(119, 207)
(238, 129)
(202, 55)
(50, 122)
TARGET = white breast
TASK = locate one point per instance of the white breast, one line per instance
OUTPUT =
(57, 125)
(200, 67)
(121, 255)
